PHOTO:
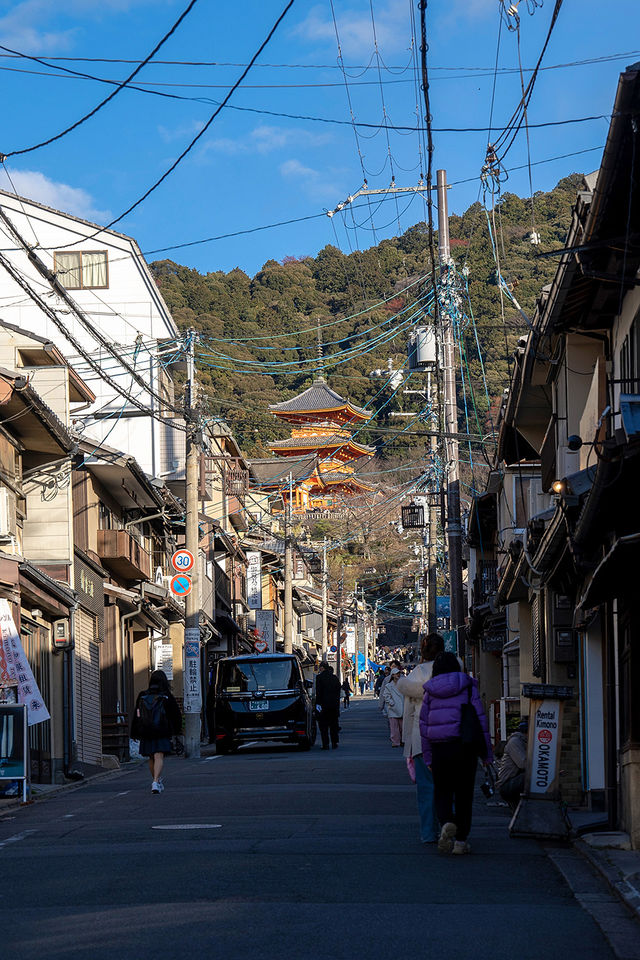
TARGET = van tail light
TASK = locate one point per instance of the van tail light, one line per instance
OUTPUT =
(301, 733)
(221, 736)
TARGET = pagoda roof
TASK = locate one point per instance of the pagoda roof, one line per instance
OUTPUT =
(319, 398)
(275, 470)
(314, 442)
(340, 476)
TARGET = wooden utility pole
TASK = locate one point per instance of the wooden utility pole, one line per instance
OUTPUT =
(432, 544)
(324, 599)
(339, 629)
(288, 575)
(454, 527)
(191, 658)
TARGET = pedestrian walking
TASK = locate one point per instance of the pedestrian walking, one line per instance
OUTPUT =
(454, 733)
(383, 673)
(328, 703)
(156, 719)
(346, 692)
(412, 688)
(394, 702)
(362, 679)
(510, 782)
(385, 681)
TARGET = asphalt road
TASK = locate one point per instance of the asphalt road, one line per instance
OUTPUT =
(273, 854)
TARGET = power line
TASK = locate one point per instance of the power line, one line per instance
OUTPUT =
(197, 137)
(114, 93)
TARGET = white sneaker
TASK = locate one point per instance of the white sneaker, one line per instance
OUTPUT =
(156, 787)
(160, 783)
(461, 846)
(447, 837)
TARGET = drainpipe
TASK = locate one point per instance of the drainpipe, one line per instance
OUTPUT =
(67, 693)
(120, 678)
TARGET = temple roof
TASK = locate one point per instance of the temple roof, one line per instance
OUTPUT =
(315, 442)
(339, 476)
(275, 470)
(319, 398)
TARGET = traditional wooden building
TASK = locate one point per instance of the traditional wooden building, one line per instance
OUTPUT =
(321, 454)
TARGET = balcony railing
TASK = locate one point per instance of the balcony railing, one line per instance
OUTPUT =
(123, 556)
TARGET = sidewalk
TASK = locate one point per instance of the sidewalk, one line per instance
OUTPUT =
(612, 856)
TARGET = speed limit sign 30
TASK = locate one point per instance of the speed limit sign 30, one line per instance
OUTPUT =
(182, 561)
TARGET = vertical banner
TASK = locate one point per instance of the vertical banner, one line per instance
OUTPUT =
(254, 580)
(265, 628)
(15, 667)
(192, 693)
(543, 754)
(350, 642)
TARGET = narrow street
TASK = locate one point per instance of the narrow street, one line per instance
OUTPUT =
(278, 853)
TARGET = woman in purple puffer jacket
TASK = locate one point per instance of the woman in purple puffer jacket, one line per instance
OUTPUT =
(452, 763)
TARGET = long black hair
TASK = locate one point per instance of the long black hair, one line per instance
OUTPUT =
(445, 662)
(159, 681)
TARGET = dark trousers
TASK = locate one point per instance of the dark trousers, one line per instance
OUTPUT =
(328, 723)
(454, 771)
(510, 790)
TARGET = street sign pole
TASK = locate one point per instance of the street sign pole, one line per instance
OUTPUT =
(191, 659)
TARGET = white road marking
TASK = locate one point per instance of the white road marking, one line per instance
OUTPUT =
(187, 826)
(123, 794)
(67, 816)
(252, 743)
(216, 756)
(16, 837)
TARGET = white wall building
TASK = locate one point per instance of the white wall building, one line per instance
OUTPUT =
(107, 276)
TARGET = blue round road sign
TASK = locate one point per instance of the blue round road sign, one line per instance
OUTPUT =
(180, 584)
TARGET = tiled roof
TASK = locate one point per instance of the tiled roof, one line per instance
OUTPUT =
(315, 442)
(319, 396)
(276, 470)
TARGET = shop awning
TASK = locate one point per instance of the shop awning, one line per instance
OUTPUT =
(616, 574)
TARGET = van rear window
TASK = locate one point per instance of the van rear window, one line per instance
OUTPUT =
(250, 676)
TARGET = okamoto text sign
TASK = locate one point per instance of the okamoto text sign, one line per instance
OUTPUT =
(545, 731)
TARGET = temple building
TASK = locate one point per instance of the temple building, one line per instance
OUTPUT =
(321, 454)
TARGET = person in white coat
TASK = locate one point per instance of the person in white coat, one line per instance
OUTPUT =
(385, 682)
(412, 689)
(394, 704)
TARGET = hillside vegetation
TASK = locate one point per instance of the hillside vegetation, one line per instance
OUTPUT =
(297, 293)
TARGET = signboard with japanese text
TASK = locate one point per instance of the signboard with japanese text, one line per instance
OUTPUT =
(254, 580)
(543, 754)
(192, 697)
(350, 642)
(163, 657)
(265, 628)
(13, 742)
(15, 669)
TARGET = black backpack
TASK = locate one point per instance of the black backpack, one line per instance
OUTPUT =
(153, 722)
(471, 732)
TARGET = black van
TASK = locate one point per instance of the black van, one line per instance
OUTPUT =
(262, 697)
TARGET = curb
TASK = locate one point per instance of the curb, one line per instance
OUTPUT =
(11, 803)
(625, 891)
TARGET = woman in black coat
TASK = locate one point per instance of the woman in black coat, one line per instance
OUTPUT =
(156, 719)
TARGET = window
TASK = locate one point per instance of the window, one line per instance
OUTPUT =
(82, 269)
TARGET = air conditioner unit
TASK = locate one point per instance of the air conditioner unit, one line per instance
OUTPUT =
(7, 513)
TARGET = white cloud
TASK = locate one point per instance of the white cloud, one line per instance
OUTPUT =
(180, 133)
(265, 139)
(36, 26)
(356, 30)
(34, 185)
(318, 186)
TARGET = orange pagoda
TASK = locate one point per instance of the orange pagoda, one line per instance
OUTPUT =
(321, 453)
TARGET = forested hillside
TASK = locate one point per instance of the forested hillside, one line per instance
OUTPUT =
(293, 295)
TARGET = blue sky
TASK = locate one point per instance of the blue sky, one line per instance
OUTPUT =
(251, 169)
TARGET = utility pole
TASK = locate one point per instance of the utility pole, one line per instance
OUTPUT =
(339, 629)
(432, 545)
(324, 598)
(288, 575)
(454, 527)
(191, 658)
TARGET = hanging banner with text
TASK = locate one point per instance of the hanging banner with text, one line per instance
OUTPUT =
(15, 670)
(254, 580)
(265, 629)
